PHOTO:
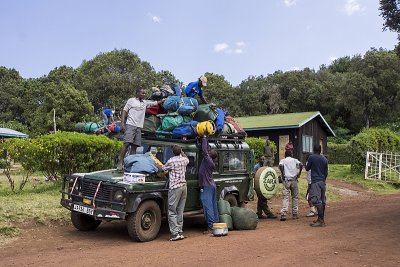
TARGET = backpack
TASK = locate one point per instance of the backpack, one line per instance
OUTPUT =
(219, 121)
(232, 121)
(172, 103)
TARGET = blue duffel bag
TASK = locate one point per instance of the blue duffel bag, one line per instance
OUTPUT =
(186, 129)
(172, 103)
(187, 105)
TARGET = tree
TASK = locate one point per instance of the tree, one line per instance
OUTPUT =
(41, 98)
(10, 91)
(111, 78)
(390, 11)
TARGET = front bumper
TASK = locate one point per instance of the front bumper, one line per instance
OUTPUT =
(98, 212)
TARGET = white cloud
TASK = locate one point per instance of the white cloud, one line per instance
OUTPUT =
(332, 58)
(221, 47)
(154, 18)
(227, 49)
(289, 3)
(353, 6)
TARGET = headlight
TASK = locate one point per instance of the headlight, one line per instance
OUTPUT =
(118, 195)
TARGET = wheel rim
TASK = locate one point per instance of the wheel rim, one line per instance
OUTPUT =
(147, 220)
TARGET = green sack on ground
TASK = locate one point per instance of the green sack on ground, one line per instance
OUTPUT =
(224, 207)
(226, 218)
(206, 112)
(91, 127)
(244, 218)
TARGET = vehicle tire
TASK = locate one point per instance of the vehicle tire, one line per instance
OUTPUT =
(83, 222)
(266, 182)
(144, 224)
(231, 199)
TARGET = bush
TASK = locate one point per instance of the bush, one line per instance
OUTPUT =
(63, 153)
(372, 139)
(339, 153)
(257, 144)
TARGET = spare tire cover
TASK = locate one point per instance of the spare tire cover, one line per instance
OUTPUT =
(266, 182)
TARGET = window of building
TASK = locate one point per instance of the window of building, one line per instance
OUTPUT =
(307, 143)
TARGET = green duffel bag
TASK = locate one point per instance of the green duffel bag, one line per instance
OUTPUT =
(226, 218)
(91, 127)
(206, 112)
(151, 123)
(79, 126)
(224, 207)
(244, 218)
(169, 122)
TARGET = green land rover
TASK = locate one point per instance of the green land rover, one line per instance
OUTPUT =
(105, 196)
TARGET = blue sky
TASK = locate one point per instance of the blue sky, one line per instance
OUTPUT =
(234, 38)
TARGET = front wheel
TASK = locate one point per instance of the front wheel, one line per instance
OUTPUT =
(83, 222)
(144, 224)
(231, 199)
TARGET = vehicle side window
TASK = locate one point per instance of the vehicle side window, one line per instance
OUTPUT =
(191, 167)
(234, 161)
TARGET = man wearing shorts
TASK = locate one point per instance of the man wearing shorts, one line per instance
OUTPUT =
(318, 165)
(132, 121)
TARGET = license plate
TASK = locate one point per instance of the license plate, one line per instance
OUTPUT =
(83, 209)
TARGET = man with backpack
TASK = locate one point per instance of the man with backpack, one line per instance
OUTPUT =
(262, 202)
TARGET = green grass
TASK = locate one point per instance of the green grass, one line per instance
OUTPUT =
(39, 202)
(343, 173)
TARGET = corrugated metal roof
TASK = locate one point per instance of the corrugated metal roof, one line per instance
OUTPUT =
(281, 121)
(5, 132)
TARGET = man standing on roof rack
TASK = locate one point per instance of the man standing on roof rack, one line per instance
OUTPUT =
(195, 88)
(132, 122)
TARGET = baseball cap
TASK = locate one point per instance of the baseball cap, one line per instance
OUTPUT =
(203, 80)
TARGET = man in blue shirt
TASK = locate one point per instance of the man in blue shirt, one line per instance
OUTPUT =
(194, 88)
(108, 116)
(318, 165)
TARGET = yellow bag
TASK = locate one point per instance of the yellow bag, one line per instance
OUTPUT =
(205, 128)
(160, 174)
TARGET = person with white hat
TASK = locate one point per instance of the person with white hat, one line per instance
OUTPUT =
(194, 88)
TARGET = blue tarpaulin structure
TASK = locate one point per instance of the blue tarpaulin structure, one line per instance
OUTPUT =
(5, 132)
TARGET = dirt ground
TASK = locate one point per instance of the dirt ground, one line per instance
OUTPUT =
(362, 230)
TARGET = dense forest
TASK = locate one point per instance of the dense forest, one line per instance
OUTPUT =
(352, 93)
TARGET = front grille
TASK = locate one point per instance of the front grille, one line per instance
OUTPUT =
(88, 189)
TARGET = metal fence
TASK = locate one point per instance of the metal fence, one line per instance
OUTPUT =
(383, 166)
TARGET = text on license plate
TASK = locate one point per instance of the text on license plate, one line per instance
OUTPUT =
(83, 209)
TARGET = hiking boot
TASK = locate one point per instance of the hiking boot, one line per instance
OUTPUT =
(181, 236)
(295, 216)
(311, 214)
(120, 168)
(283, 217)
(271, 216)
(207, 232)
(261, 216)
(175, 238)
(318, 223)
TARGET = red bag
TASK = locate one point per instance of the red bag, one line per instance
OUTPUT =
(155, 110)
(229, 119)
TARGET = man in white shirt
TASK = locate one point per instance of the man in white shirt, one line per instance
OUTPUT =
(291, 169)
(132, 121)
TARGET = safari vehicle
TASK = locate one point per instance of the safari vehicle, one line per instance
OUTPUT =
(105, 196)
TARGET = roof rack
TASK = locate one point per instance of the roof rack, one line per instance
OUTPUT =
(187, 139)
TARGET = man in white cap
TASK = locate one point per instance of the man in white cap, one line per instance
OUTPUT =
(194, 88)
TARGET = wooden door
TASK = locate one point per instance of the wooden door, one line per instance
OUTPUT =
(283, 140)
